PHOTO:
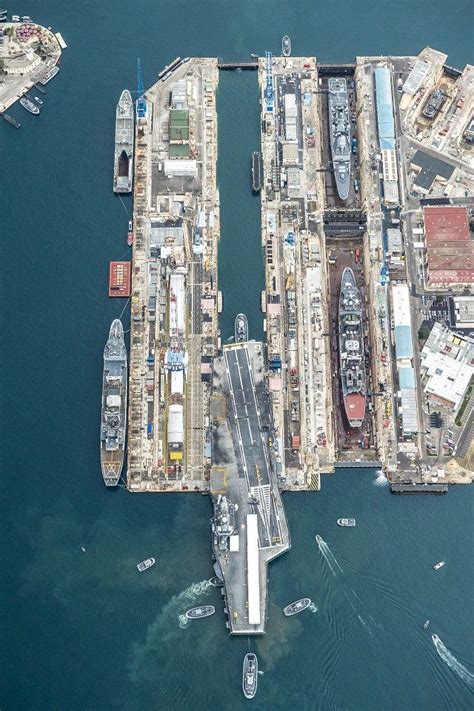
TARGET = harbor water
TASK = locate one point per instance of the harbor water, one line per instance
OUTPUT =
(82, 630)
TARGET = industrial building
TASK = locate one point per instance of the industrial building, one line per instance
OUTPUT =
(449, 246)
(429, 169)
(386, 133)
(461, 313)
(447, 366)
(404, 359)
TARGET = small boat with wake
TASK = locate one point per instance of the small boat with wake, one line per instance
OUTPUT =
(346, 522)
(195, 613)
(425, 626)
(439, 565)
(216, 582)
(319, 539)
(250, 675)
(298, 606)
(145, 564)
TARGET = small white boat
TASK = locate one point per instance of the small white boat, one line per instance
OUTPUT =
(439, 565)
(195, 613)
(425, 626)
(145, 564)
(298, 606)
(250, 675)
(130, 226)
(346, 522)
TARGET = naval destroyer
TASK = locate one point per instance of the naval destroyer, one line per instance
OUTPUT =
(124, 128)
(339, 129)
(351, 349)
(114, 405)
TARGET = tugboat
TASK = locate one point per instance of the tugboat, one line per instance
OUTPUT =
(297, 606)
(250, 675)
(286, 46)
(241, 328)
(346, 522)
(29, 105)
(145, 564)
(439, 565)
(195, 613)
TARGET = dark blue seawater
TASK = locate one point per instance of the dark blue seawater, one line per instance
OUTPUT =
(83, 631)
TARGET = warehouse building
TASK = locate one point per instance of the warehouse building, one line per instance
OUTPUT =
(447, 366)
(449, 246)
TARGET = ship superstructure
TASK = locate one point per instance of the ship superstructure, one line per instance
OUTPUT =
(339, 129)
(351, 350)
(114, 405)
(124, 129)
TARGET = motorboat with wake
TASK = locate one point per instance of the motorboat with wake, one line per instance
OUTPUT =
(195, 613)
(319, 539)
(250, 675)
(295, 607)
(145, 564)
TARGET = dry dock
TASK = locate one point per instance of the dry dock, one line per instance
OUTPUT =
(174, 280)
(296, 298)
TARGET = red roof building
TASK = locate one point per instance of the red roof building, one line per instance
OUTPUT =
(449, 246)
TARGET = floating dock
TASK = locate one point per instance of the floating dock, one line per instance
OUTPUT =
(119, 279)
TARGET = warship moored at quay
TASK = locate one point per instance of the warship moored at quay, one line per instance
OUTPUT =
(339, 129)
(351, 350)
(114, 405)
(124, 128)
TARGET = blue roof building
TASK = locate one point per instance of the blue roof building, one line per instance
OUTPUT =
(403, 343)
(384, 105)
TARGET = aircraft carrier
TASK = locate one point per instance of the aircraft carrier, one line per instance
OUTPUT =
(351, 349)
(124, 130)
(114, 405)
(339, 127)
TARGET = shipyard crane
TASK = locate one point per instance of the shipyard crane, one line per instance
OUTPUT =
(141, 103)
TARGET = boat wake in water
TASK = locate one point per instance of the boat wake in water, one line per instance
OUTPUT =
(349, 593)
(312, 607)
(380, 479)
(452, 662)
(186, 598)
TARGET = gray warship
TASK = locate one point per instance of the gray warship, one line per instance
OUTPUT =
(124, 128)
(114, 405)
(351, 349)
(340, 133)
